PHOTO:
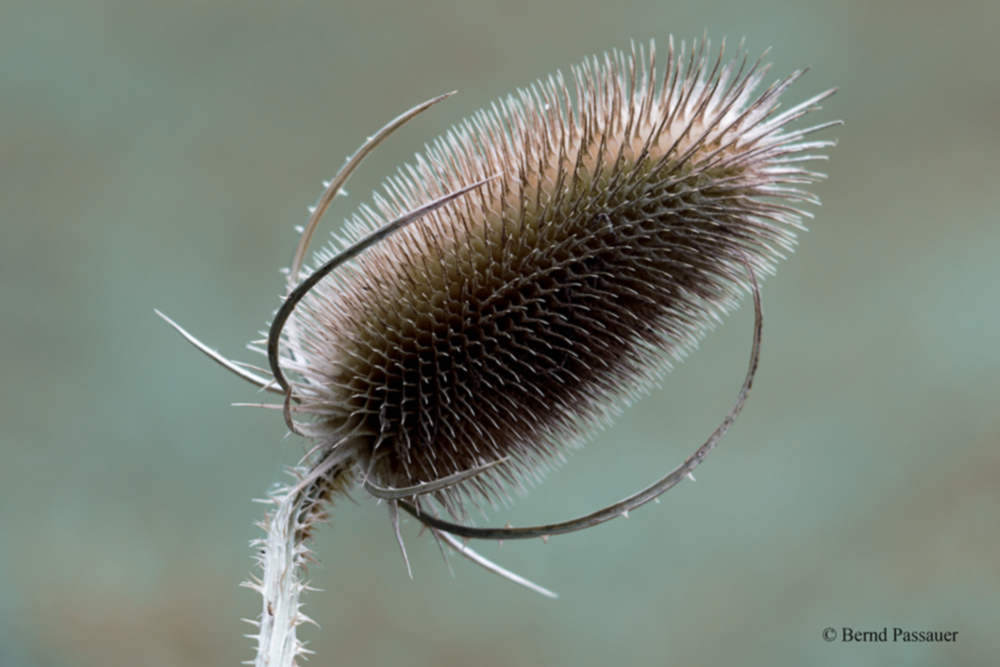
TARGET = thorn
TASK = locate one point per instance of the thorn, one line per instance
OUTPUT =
(545, 539)
(500, 542)
(327, 184)
(312, 209)
(625, 513)
(301, 618)
(508, 524)
(251, 621)
(691, 477)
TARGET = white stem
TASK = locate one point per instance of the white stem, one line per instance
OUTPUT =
(282, 559)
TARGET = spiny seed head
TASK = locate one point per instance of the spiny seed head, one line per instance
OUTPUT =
(511, 322)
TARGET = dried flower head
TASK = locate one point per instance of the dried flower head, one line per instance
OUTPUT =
(504, 326)
(535, 268)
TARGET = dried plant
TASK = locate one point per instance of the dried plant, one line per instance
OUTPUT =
(537, 267)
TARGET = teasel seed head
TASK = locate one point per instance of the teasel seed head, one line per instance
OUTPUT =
(538, 267)
(610, 234)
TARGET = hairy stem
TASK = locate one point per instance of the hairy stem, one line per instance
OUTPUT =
(283, 559)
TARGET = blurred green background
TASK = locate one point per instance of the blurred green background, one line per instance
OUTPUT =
(159, 155)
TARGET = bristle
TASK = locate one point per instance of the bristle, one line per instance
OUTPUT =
(511, 322)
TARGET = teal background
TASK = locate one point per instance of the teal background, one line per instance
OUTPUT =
(159, 155)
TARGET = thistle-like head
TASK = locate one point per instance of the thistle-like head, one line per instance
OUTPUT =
(602, 228)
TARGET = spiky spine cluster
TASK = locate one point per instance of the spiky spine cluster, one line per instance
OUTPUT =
(509, 323)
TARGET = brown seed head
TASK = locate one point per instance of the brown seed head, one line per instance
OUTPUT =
(508, 324)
